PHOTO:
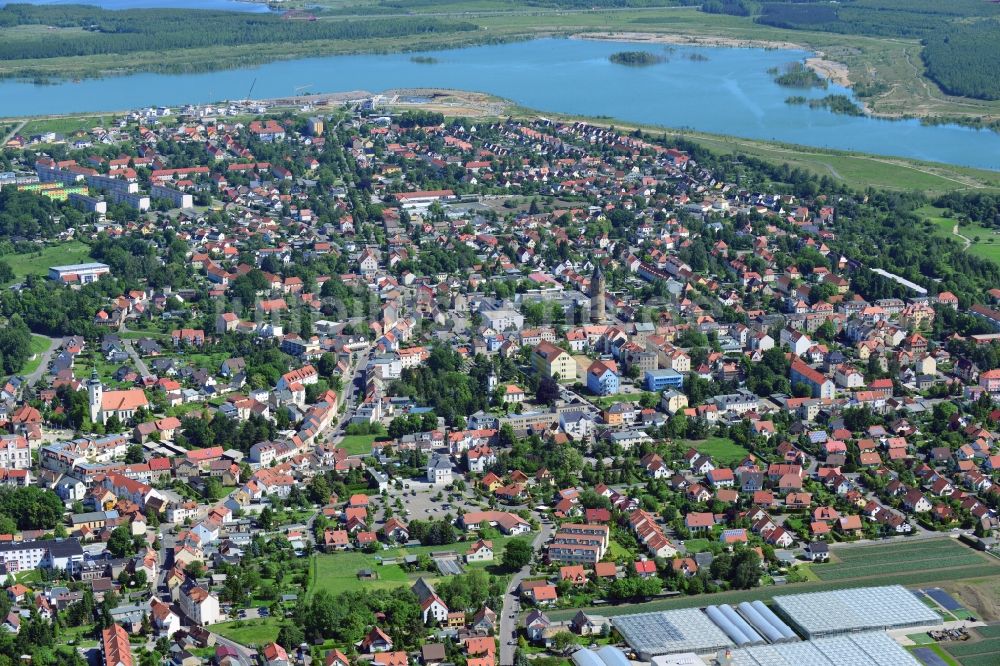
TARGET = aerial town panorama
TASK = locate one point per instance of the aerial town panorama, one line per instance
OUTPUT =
(482, 333)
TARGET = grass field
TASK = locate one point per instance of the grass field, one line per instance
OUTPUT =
(38, 263)
(722, 449)
(64, 125)
(983, 242)
(338, 572)
(357, 444)
(249, 632)
(39, 345)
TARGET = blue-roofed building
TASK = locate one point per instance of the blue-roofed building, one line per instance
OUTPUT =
(666, 378)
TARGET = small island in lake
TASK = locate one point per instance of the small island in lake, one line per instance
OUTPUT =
(841, 104)
(424, 60)
(797, 75)
(636, 58)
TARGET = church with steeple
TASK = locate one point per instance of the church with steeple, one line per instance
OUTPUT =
(105, 404)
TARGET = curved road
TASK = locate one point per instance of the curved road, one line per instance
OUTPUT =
(32, 378)
(508, 615)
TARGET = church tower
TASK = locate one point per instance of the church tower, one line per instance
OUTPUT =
(597, 288)
(96, 393)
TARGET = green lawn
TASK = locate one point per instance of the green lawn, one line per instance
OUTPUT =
(338, 572)
(696, 545)
(921, 639)
(357, 444)
(609, 400)
(986, 247)
(39, 345)
(249, 632)
(38, 263)
(617, 551)
(722, 449)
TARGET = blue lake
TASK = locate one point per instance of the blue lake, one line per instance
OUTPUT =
(730, 93)
(227, 5)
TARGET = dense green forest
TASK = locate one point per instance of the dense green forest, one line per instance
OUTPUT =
(965, 59)
(961, 37)
(133, 30)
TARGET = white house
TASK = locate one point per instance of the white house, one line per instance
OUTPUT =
(439, 470)
(199, 605)
(434, 610)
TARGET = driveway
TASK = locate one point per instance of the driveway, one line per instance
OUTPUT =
(508, 624)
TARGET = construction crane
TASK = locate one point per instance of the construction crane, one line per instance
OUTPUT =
(251, 89)
(299, 89)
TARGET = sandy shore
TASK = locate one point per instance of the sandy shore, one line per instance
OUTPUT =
(828, 69)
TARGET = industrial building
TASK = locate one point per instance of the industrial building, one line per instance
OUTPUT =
(78, 273)
(817, 614)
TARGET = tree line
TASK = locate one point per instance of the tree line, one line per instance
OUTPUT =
(129, 31)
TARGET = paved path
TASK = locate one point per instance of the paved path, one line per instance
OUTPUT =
(33, 378)
(508, 624)
(10, 134)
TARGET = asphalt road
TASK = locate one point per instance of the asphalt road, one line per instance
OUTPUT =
(140, 365)
(508, 615)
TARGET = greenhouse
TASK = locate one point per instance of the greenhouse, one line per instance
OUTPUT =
(683, 630)
(818, 614)
(873, 648)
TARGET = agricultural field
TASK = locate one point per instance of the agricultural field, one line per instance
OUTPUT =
(985, 652)
(722, 449)
(861, 562)
(38, 262)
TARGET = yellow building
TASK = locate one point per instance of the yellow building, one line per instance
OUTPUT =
(549, 360)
